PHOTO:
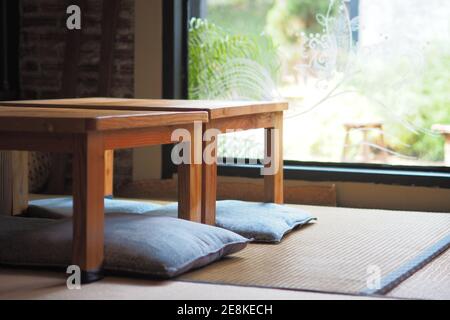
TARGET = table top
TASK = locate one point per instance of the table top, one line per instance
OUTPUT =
(215, 109)
(65, 120)
(363, 125)
(442, 128)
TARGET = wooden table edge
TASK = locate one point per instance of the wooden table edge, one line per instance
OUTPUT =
(225, 112)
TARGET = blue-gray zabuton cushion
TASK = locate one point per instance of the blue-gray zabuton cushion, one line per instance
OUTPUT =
(161, 247)
(59, 208)
(262, 222)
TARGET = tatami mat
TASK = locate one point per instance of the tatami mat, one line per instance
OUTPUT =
(432, 282)
(332, 256)
(340, 253)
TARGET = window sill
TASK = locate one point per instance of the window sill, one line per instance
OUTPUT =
(414, 176)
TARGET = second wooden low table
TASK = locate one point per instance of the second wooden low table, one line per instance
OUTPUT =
(222, 115)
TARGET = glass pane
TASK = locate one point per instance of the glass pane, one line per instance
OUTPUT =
(367, 81)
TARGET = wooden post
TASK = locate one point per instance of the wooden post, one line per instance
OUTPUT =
(273, 184)
(88, 205)
(109, 173)
(346, 145)
(57, 178)
(382, 143)
(190, 182)
(365, 145)
(445, 131)
(110, 19)
(13, 182)
(209, 179)
(20, 181)
(69, 82)
(447, 150)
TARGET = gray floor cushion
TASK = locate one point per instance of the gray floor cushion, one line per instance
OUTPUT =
(262, 222)
(58, 208)
(140, 244)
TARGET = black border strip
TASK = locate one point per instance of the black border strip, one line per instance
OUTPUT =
(340, 173)
(396, 277)
(9, 50)
(175, 64)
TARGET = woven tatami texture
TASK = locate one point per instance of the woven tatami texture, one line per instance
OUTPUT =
(334, 254)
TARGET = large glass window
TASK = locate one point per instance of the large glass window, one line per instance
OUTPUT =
(366, 80)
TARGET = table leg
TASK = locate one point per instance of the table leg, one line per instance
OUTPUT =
(56, 181)
(447, 150)
(189, 184)
(20, 181)
(88, 202)
(273, 183)
(209, 178)
(13, 182)
(109, 173)
(366, 146)
(346, 146)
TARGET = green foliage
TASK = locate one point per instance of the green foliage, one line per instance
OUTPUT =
(433, 107)
(210, 47)
(287, 18)
(240, 16)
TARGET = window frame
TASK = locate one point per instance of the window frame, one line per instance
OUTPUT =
(9, 49)
(176, 16)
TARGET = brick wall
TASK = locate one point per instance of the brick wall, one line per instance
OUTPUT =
(42, 52)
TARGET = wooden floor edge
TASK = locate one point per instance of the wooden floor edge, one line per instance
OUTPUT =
(238, 189)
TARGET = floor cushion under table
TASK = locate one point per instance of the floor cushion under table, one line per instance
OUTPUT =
(154, 246)
(59, 208)
(262, 222)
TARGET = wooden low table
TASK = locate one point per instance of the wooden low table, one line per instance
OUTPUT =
(87, 134)
(222, 115)
(445, 131)
(366, 128)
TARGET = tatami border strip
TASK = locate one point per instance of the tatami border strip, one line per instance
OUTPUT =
(396, 277)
